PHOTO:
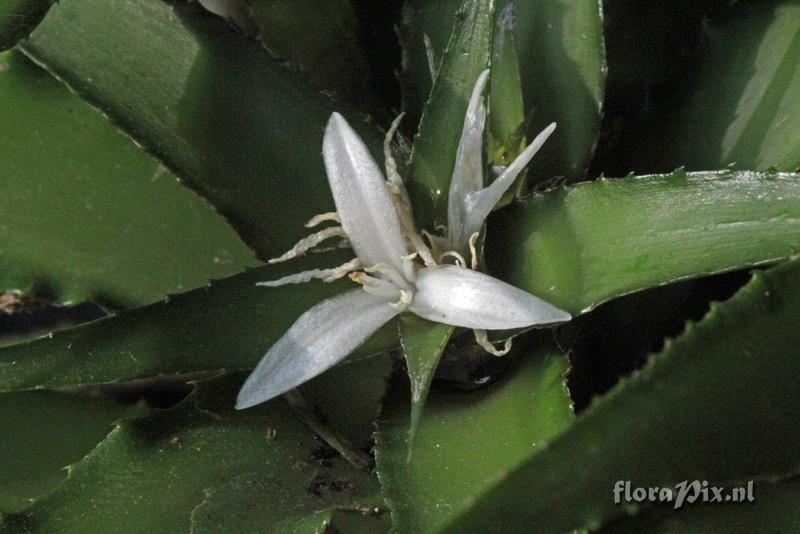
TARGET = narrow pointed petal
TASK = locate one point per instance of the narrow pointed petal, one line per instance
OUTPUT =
(462, 297)
(320, 338)
(481, 203)
(362, 199)
(468, 170)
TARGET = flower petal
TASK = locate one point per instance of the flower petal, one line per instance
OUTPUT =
(481, 203)
(362, 199)
(324, 335)
(468, 170)
(462, 297)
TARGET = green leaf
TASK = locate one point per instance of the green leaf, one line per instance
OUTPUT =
(744, 94)
(45, 431)
(423, 343)
(18, 18)
(562, 66)
(228, 119)
(506, 120)
(203, 465)
(322, 39)
(465, 440)
(674, 419)
(95, 218)
(776, 509)
(434, 154)
(560, 51)
(578, 247)
(229, 324)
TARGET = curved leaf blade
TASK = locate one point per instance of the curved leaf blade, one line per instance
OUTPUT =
(744, 95)
(229, 120)
(94, 217)
(206, 465)
(433, 158)
(561, 61)
(228, 325)
(45, 431)
(578, 247)
(458, 448)
(674, 417)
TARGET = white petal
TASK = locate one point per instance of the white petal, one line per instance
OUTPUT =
(462, 297)
(362, 199)
(481, 203)
(468, 170)
(321, 337)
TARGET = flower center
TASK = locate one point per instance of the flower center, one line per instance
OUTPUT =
(389, 283)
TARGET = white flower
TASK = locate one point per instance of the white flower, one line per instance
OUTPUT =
(375, 219)
(469, 202)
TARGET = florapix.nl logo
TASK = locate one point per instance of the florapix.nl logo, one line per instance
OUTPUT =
(685, 492)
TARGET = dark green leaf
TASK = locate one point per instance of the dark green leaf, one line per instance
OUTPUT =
(87, 215)
(776, 508)
(18, 18)
(559, 47)
(434, 154)
(44, 432)
(745, 96)
(229, 324)
(563, 71)
(210, 102)
(465, 440)
(203, 465)
(423, 343)
(710, 407)
(322, 39)
(578, 247)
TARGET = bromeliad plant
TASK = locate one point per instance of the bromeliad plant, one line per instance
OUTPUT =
(467, 230)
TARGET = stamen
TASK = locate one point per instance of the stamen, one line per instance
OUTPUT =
(327, 275)
(406, 297)
(323, 217)
(389, 271)
(472, 239)
(376, 286)
(307, 243)
(399, 195)
(408, 267)
(452, 253)
(483, 340)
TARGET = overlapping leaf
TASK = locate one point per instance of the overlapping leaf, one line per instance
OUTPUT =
(211, 103)
(203, 466)
(578, 247)
(674, 419)
(86, 214)
(45, 431)
(559, 47)
(229, 325)
(465, 440)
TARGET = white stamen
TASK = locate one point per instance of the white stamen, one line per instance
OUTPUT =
(388, 270)
(307, 243)
(399, 195)
(473, 252)
(406, 297)
(323, 217)
(376, 286)
(460, 261)
(408, 267)
(483, 340)
(326, 275)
